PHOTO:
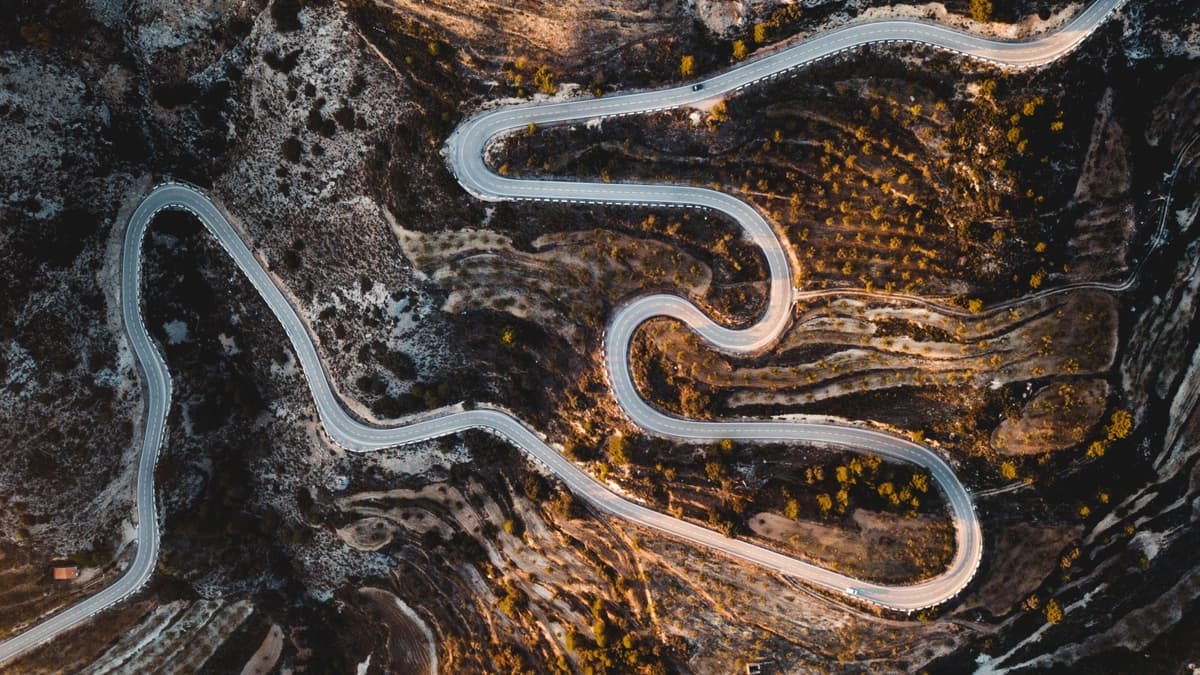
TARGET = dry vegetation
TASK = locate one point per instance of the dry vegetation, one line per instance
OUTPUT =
(570, 281)
(881, 548)
(838, 346)
(864, 176)
(510, 569)
(865, 180)
(1059, 415)
(1024, 554)
(556, 285)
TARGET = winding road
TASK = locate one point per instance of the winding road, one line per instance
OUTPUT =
(465, 154)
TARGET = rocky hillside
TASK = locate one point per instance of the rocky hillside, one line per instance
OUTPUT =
(318, 125)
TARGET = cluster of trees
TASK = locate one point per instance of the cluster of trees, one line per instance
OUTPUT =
(614, 646)
(542, 78)
(865, 481)
(421, 396)
(1119, 426)
(773, 26)
(1052, 611)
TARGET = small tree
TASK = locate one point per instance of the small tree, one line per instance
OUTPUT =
(714, 470)
(824, 503)
(687, 66)
(618, 450)
(564, 506)
(718, 113)
(739, 50)
(1119, 425)
(1053, 612)
(600, 631)
(1008, 471)
(981, 10)
(544, 79)
(571, 639)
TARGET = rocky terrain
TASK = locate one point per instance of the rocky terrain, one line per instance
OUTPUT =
(318, 127)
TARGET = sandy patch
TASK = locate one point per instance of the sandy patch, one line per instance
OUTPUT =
(267, 655)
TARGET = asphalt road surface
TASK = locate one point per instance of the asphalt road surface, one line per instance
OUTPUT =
(465, 151)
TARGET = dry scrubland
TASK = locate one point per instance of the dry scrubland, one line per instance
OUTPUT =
(865, 175)
(572, 280)
(865, 179)
(318, 127)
